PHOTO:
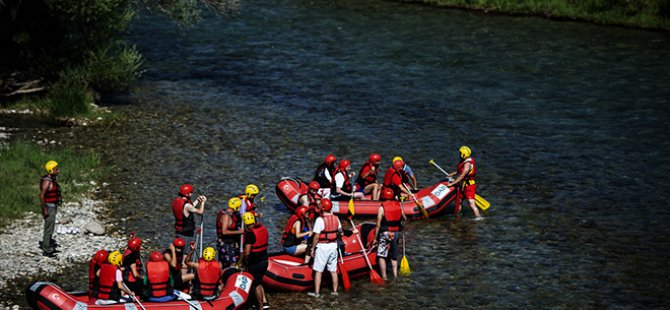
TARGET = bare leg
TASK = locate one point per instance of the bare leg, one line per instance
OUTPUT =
(334, 276)
(382, 268)
(317, 282)
(473, 206)
(394, 267)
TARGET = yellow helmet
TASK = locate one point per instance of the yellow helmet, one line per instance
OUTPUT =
(251, 189)
(249, 218)
(464, 151)
(209, 253)
(115, 258)
(235, 203)
(396, 158)
(50, 166)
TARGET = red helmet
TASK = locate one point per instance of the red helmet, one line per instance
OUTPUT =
(300, 211)
(330, 159)
(374, 157)
(387, 193)
(179, 242)
(101, 256)
(186, 189)
(326, 204)
(344, 164)
(314, 185)
(156, 256)
(134, 244)
(398, 164)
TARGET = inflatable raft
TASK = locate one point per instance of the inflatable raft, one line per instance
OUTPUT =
(47, 295)
(288, 273)
(434, 198)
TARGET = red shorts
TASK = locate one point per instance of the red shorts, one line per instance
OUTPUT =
(469, 191)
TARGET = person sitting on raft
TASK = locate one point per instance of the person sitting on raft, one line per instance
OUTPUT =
(324, 175)
(158, 282)
(395, 179)
(296, 234)
(207, 281)
(343, 188)
(368, 183)
(111, 282)
(174, 255)
(311, 199)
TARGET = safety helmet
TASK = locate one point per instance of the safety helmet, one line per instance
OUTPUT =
(300, 211)
(398, 164)
(344, 164)
(186, 189)
(208, 253)
(50, 166)
(179, 242)
(396, 158)
(251, 189)
(156, 256)
(249, 218)
(235, 203)
(330, 159)
(374, 157)
(314, 185)
(101, 256)
(326, 204)
(115, 258)
(464, 151)
(387, 193)
(134, 244)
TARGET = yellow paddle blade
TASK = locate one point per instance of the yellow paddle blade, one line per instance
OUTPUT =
(404, 266)
(351, 206)
(481, 202)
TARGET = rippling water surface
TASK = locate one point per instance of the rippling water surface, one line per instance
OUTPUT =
(566, 120)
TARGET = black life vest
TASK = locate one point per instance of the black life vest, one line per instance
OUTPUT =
(93, 279)
(320, 175)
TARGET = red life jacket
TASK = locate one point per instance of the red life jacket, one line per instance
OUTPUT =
(182, 224)
(392, 216)
(470, 177)
(371, 178)
(207, 278)
(52, 194)
(158, 276)
(261, 236)
(129, 258)
(330, 230)
(393, 180)
(313, 198)
(108, 287)
(320, 175)
(288, 237)
(93, 281)
(346, 186)
(235, 219)
(248, 203)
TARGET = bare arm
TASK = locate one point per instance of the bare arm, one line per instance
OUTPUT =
(226, 220)
(466, 169)
(43, 192)
(380, 215)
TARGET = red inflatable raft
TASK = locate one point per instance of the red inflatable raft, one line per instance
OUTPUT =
(288, 273)
(434, 198)
(49, 296)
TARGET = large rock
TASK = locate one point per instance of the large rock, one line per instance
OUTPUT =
(95, 228)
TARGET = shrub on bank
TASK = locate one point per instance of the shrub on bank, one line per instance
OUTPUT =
(22, 165)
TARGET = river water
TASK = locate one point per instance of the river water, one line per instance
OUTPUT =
(566, 121)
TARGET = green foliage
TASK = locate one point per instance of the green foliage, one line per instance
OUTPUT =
(69, 96)
(113, 67)
(22, 165)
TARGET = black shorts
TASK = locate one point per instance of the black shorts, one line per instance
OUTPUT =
(258, 270)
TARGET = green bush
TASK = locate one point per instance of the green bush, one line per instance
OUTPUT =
(113, 68)
(69, 96)
(22, 165)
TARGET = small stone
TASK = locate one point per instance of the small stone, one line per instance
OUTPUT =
(95, 228)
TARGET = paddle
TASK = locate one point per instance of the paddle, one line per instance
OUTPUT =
(374, 276)
(183, 296)
(133, 296)
(479, 200)
(351, 200)
(343, 270)
(404, 264)
(423, 210)
(202, 231)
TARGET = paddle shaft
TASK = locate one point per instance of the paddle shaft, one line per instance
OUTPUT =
(133, 296)
(438, 167)
(365, 251)
(423, 210)
(190, 303)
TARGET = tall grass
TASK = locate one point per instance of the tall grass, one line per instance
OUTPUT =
(22, 165)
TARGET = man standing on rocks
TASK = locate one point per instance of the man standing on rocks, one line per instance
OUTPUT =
(50, 198)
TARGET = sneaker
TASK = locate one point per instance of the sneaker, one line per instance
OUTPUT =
(51, 254)
(266, 306)
(479, 218)
(334, 294)
(312, 294)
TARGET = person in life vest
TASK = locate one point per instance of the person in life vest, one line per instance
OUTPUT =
(174, 255)
(296, 234)
(94, 265)
(466, 170)
(311, 199)
(390, 217)
(395, 179)
(183, 209)
(327, 229)
(132, 265)
(255, 256)
(250, 192)
(158, 280)
(343, 188)
(324, 175)
(411, 178)
(50, 199)
(111, 281)
(207, 281)
(368, 182)
(228, 231)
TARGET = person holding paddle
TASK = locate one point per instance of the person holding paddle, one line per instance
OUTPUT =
(183, 210)
(250, 192)
(466, 170)
(394, 178)
(390, 216)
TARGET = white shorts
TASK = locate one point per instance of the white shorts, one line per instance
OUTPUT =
(325, 256)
